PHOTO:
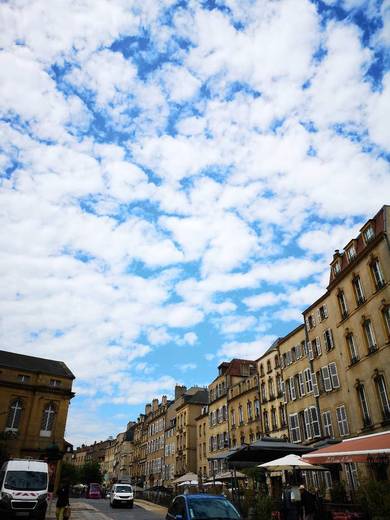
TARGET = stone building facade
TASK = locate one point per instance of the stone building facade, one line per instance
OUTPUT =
(218, 432)
(273, 409)
(34, 400)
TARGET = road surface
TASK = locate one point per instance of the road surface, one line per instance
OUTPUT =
(124, 513)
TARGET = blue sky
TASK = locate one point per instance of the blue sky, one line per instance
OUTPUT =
(174, 179)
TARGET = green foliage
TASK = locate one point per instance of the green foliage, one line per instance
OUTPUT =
(89, 472)
(374, 498)
(338, 494)
(70, 473)
(257, 506)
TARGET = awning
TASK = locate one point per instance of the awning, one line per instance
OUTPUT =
(221, 455)
(368, 448)
(264, 450)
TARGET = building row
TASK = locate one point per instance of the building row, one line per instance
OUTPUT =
(328, 379)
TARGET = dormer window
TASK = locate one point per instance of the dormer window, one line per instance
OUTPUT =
(337, 268)
(351, 253)
(368, 234)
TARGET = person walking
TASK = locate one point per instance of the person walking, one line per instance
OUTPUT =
(290, 504)
(62, 501)
(308, 503)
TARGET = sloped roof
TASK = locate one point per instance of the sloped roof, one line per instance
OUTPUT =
(34, 364)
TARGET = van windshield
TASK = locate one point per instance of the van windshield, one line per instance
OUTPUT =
(26, 480)
(123, 489)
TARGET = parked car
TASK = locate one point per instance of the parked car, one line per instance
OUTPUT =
(23, 489)
(202, 507)
(121, 494)
(94, 491)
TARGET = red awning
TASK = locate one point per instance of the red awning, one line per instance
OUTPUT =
(367, 448)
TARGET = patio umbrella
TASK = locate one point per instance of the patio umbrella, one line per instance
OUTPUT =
(186, 477)
(289, 462)
(188, 483)
(216, 483)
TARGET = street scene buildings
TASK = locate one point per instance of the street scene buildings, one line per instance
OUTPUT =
(326, 380)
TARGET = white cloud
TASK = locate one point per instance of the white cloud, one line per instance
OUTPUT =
(145, 206)
(190, 338)
(262, 300)
(185, 367)
(246, 350)
(234, 324)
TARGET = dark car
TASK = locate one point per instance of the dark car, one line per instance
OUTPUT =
(202, 507)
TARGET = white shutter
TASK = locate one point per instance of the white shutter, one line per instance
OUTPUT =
(310, 350)
(318, 315)
(307, 423)
(325, 310)
(316, 390)
(314, 320)
(331, 338)
(284, 392)
(298, 350)
(307, 323)
(334, 375)
(292, 389)
(326, 378)
(318, 343)
(281, 362)
(315, 422)
(301, 383)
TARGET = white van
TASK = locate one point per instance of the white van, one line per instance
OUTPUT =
(121, 494)
(23, 486)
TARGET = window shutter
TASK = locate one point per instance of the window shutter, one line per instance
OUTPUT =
(310, 350)
(315, 384)
(307, 323)
(301, 383)
(326, 378)
(307, 423)
(281, 362)
(284, 392)
(318, 315)
(319, 349)
(334, 375)
(292, 389)
(325, 310)
(314, 320)
(331, 338)
(315, 422)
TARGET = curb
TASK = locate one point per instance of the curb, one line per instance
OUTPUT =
(150, 506)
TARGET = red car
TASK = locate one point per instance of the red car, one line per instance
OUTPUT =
(94, 491)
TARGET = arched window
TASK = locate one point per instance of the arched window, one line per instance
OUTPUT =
(269, 369)
(48, 416)
(14, 415)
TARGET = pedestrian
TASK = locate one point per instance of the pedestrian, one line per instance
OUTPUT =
(62, 501)
(290, 503)
(308, 503)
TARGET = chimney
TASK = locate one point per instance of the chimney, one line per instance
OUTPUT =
(164, 400)
(155, 405)
(179, 391)
(148, 409)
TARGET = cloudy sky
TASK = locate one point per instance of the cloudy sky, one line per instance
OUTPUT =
(175, 176)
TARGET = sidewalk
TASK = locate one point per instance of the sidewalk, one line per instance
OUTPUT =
(150, 506)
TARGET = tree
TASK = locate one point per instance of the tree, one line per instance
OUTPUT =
(90, 472)
(70, 473)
